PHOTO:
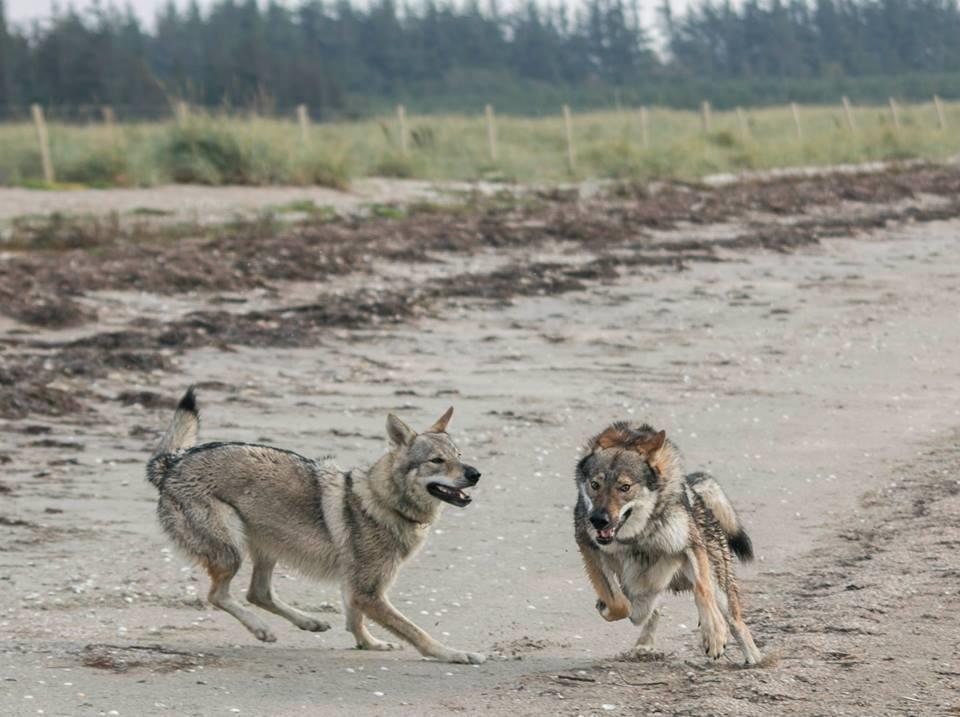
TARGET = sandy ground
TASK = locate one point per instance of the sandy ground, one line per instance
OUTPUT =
(820, 385)
(211, 205)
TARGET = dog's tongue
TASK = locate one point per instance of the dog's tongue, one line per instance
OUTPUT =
(606, 533)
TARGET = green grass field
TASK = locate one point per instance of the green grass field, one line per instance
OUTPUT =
(221, 149)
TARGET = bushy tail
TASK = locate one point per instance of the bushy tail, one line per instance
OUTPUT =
(181, 434)
(709, 490)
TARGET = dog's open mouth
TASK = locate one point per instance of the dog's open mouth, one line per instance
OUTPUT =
(453, 496)
(605, 536)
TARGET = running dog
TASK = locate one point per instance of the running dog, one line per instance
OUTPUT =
(220, 500)
(643, 528)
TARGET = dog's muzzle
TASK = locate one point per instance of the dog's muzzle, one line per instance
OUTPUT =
(452, 495)
(471, 474)
(600, 520)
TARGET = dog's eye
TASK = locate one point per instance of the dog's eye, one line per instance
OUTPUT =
(624, 487)
(594, 485)
(437, 461)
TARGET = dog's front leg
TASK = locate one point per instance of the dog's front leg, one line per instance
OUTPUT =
(379, 609)
(356, 626)
(713, 626)
(612, 604)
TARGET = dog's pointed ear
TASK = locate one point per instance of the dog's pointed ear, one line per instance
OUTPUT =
(611, 437)
(399, 433)
(441, 425)
(650, 445)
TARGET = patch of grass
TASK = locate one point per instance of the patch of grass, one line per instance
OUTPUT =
(724, 138)
(299, 206)
(319, 170)
(307, 207)
(60, 232)
(395, 165)
(426, 208)
(387, 211)
(224, 149)
(150, 212)
(93, 169)
(48, 186)
(202, 153)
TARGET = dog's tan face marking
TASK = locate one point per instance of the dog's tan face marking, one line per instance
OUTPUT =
(610, 493)
(432, 461)
(621, 480)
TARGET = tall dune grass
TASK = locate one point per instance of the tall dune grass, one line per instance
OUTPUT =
(222, 149)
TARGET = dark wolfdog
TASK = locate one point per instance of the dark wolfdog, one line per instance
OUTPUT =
(644, 528)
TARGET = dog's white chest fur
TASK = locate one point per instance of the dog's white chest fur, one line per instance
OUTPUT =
(649, 577)
(667, 533)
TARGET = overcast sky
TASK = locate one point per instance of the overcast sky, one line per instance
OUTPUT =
(19, 11)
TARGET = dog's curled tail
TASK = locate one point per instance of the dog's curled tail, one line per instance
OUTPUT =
(180, 435)
(709, 490)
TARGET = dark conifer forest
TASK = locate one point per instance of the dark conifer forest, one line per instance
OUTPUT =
(341, 60)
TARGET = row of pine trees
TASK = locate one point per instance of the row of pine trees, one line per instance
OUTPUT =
(244, 53)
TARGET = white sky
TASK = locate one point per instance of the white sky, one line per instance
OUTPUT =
(25, 11)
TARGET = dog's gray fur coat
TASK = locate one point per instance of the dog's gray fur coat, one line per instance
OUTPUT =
(644, 528)
(220, 500)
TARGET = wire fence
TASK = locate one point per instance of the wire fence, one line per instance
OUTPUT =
(408, 136)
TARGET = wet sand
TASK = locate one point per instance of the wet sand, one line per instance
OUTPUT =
(805, 376)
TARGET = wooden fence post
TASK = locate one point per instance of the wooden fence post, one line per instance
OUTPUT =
(109, 121)
(402, 122)
(41, 125)
(795, 109)
(644, 134)
(848, 111)
(303, 119)
(183, 113)
(491, 131)
(941, 119)
(705, 117)
(895, 114)
(742, 124)
(571, 152)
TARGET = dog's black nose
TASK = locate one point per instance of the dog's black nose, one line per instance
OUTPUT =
(600, 519)
(471, 474)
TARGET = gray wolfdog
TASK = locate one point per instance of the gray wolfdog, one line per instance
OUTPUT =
(219, 499)
(644, 528)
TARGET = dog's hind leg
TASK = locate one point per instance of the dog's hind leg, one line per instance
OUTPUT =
(732, 611)
(645, 614)
(648, 633)
(221, 574)
(713, 626)
(743, 637)
(203, 530)
(357, 627)
(261, 594)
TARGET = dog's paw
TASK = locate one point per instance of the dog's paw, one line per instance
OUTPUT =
(313, 625)
(380, 646)
(264, 634)
(465, 658)
(612, 613)
(715, 641)
(644, 648)
(644, 653)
